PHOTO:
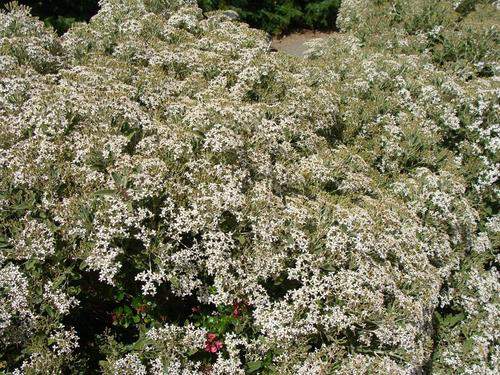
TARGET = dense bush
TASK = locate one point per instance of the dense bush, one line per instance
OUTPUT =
(175, 198)
(419, 80)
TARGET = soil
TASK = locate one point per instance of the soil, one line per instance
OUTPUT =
(293, 44)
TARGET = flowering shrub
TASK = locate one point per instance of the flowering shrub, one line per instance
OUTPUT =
(177, 199)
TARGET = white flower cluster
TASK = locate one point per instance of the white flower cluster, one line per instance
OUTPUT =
(64, 342)
(129, 365)
(60, 300)
(36, 241)
(14, 297)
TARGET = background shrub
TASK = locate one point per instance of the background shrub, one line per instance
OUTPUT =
(279, 16)
(61, 13)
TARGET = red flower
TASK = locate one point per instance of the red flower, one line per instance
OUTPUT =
(212, 345)
(238, 308)
(211, 336)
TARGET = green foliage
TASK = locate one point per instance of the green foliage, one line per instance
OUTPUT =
(60, 23)
(277, 17)
(321, 14)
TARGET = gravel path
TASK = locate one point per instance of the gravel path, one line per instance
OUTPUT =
(293, 44)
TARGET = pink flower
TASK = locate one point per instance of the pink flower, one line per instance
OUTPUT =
(195, 309)
(236, 309)
(212, 345)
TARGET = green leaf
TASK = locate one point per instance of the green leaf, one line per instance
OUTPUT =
(59, 281)
(117, 178)
(452, 320)
(468, 345)
(254, 366)
(127, 310)
(140, 344)
(439, 318)
(120, 295)
(328, 267)
(131, 134)
(31, 264)
(175, 282)
(137, 301)
(242, 239)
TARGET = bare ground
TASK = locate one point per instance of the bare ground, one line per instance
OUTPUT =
(293, 44)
